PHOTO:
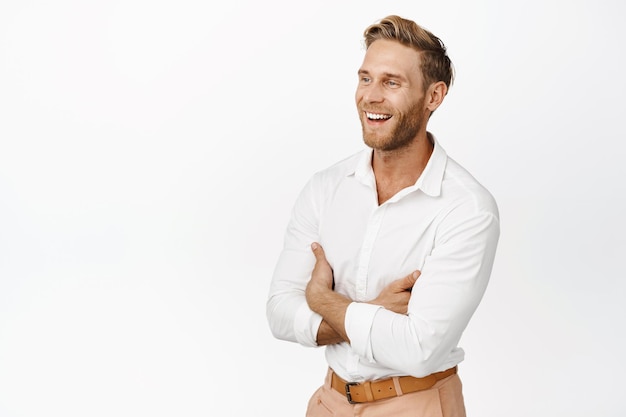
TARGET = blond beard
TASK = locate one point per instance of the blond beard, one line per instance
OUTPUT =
(405, 131)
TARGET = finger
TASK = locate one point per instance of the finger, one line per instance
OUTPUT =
(409, 280)
(318, 251)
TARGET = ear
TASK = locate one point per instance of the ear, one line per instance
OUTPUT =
(435, 95)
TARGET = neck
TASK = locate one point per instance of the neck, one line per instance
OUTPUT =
(400, 168)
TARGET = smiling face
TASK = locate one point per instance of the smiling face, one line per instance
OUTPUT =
(390, 96)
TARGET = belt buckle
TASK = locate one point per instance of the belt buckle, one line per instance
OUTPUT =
(348, 394)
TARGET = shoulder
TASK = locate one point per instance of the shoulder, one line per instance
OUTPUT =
(465, 188)
(323, 184)
(337, 172)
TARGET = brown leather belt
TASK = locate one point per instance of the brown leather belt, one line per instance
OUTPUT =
(385, 388)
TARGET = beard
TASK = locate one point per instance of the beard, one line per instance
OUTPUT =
(407, 126)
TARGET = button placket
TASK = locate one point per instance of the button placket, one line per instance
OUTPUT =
(365, 253)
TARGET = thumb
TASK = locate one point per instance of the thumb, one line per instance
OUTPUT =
(411, 279)
(318, 251)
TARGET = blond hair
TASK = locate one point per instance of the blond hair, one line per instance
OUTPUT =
(436, 65)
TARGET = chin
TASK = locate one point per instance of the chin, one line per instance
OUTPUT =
(379, 145)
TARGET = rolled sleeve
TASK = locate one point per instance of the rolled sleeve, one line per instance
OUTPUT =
(288, 313)
(306, 323)
(358, 323)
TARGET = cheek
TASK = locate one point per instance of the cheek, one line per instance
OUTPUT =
(358, 96)
(360, 93)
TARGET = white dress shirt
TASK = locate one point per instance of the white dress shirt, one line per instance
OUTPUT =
(446, 225)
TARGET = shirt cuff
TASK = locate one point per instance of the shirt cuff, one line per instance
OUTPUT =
(306, 324)
(358, 322)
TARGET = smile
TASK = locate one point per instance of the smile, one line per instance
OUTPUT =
(377, 116)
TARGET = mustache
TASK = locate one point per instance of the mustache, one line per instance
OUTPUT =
(375, 110)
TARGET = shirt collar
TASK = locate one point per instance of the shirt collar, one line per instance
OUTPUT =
(429, 182)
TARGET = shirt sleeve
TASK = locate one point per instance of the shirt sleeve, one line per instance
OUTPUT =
(452, 282)
(288, 313)
(359, 319)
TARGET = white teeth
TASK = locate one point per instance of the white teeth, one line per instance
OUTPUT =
(375, 116)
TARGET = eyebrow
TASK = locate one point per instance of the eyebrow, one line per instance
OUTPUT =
(385, 74)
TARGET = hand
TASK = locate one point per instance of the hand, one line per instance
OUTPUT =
(321, 278)
(396, 295)
(323, 300)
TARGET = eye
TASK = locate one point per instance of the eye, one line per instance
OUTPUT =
(393, 84)
(365, 80)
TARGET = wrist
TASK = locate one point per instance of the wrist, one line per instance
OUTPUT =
(316, 296)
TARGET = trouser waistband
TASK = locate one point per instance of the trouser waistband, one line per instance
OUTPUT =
(385, 388)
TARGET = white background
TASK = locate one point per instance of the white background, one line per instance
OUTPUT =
(150, 153)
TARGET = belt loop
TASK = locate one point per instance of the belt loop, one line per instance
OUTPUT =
(367, 387)
(328, 381)
(396, 384)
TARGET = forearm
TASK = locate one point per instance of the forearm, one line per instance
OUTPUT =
(332, 307)
(326, 335)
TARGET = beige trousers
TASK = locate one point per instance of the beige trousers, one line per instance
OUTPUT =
(445, 399)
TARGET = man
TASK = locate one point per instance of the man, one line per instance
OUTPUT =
(388, 252)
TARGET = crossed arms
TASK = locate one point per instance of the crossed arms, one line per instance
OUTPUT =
(332, 306)
(415, 331)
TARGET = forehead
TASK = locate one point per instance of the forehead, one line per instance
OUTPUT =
(385, 56)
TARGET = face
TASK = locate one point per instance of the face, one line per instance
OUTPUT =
(390, 96)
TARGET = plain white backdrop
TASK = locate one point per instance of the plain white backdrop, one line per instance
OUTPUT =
(150, 153)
